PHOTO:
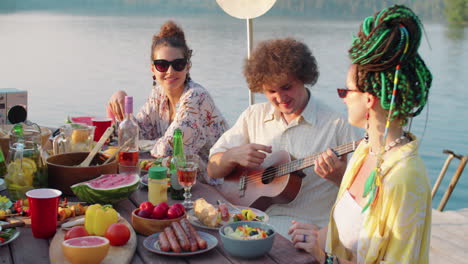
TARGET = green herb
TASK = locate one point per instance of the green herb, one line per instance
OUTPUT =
(8, 233)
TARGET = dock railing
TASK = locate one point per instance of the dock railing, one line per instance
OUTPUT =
(455, 177)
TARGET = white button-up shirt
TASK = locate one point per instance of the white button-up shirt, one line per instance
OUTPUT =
(318, 128)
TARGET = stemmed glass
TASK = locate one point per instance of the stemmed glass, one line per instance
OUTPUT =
(187, 176)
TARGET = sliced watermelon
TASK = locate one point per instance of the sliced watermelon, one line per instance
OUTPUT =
(108, 188)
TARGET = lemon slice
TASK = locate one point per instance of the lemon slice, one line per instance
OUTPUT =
(24, 177)
(29, 168)
(79, 136)
(111, 150)
(12, 172)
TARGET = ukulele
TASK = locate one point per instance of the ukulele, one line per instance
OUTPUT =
(277, 184)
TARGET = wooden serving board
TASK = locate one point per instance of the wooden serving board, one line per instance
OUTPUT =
(121, 254)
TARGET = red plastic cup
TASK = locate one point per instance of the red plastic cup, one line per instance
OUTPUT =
(43, 206)
(101, 124)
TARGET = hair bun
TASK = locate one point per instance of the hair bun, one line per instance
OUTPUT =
(171, 29)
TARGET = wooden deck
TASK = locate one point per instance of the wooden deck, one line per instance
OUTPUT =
(449, 237)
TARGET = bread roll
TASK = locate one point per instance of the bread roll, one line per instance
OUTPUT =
(206, 213)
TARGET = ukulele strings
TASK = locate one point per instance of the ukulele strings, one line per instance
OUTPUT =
(291, 166)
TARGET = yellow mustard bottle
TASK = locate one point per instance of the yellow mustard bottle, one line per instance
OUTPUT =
(157, 185)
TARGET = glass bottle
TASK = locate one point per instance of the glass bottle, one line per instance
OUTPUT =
(128, 135)
(157, 185)
(177, 191)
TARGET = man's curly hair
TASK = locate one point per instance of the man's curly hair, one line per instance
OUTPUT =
(273, 61)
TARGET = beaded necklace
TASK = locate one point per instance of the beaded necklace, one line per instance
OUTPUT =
(390, 145)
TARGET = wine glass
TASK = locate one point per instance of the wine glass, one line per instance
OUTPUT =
(187, 176)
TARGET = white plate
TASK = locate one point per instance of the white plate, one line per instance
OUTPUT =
(151, 243)
(13, 237)
(144, 180)
(196, 222)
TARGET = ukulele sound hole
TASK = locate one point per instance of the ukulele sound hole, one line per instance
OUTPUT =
(268, 175)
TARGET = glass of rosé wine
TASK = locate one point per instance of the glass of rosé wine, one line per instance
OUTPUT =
(187, 176)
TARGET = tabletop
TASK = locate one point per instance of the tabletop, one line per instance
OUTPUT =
(27, 249)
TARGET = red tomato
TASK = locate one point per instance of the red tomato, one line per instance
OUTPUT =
(76, 231)
(147, 166)
(118, 234)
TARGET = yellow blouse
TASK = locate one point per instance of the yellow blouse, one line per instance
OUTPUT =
(397, 228)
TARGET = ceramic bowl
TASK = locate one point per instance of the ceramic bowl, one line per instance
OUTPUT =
(149, 226)
(63, 171)
(247, 248)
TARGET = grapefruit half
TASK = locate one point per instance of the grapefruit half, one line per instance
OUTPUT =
(88, 249)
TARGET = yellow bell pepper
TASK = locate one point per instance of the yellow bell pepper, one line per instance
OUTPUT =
(98, 218)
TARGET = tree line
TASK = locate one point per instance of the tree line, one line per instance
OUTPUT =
(456, 11)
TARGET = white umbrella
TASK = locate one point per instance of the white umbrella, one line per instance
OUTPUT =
(246, 9)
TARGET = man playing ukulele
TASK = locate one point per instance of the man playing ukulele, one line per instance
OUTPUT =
(291, 120)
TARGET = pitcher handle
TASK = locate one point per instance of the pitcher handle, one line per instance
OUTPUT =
(59, 144)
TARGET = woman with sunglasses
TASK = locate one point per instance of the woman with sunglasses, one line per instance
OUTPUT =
(382, 213)
(175, 100)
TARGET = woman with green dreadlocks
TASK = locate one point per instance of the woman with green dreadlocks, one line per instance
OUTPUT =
(382, 212)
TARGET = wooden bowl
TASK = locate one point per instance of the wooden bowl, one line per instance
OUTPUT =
(147, 226)
(63, 172)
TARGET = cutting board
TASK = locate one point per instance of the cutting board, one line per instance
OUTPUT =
(121, 254)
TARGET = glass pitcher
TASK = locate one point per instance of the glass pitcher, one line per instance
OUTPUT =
(73, 138)
(26, 167)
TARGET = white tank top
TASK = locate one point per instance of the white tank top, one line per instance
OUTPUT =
(348, 219)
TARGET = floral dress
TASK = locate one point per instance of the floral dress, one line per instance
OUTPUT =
(196, 115)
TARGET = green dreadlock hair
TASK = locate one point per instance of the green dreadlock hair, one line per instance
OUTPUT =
(376, 51)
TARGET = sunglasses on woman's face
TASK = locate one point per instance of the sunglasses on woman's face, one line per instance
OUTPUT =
(163, 65)
(343, 92)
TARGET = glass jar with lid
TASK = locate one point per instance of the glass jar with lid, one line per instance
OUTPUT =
(157, 185)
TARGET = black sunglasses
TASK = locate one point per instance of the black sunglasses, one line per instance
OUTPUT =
(163, 65)
(343, 92)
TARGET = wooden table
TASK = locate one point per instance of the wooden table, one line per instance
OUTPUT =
(27, 249)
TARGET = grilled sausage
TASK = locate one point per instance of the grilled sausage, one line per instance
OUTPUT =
(172, 240)
(164, 242)
(201, 242)
(224, 212)
(193, 242)
(181, 236)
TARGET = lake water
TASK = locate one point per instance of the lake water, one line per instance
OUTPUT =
(70, 65)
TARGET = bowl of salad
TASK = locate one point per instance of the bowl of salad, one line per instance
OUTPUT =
(247, 239)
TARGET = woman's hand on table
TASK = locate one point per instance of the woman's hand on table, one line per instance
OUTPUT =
(116, 105)
(306, 237)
